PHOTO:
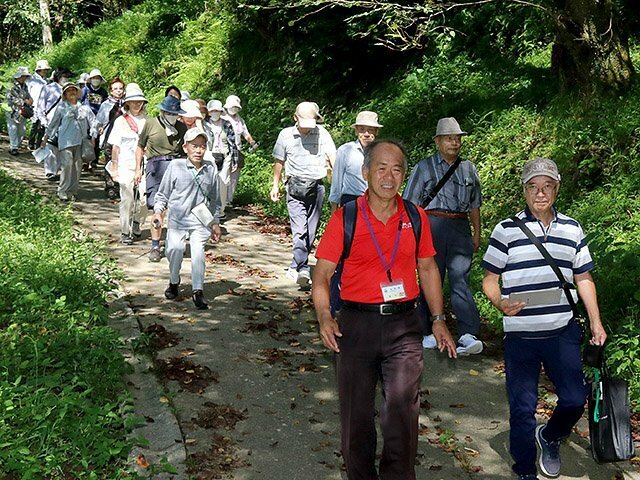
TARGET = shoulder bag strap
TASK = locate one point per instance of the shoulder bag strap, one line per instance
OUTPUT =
(432, 194)
(566, 286)
(53, 106)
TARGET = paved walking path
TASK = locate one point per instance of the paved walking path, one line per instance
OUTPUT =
(258, 398)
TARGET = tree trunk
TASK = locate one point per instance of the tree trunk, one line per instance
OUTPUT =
(47, 38)
(591, 47)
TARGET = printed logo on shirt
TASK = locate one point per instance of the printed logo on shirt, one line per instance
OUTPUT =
(94, 98)
(406, 225)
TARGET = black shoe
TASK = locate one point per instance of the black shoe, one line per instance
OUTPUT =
(13, 151)
(531, 476)
(155, 255)
(198, 300)
(171, 292)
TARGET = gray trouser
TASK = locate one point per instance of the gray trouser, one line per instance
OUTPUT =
(70, 170)
(304, 216)
(52, 162)
(16, 130)
(454, 252)
(175, 247)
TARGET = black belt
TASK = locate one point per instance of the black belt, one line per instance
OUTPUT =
(382, 308)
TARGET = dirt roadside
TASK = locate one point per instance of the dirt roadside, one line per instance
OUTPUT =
(249, 383)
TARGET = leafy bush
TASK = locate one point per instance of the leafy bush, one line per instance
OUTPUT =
(61, 384)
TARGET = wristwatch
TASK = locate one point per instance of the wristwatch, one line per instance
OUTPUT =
(435, 318)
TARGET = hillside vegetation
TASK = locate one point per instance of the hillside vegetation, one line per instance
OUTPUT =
(497, 82)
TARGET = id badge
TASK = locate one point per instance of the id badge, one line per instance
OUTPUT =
(393, 290)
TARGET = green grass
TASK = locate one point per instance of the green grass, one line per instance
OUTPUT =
(61, 376)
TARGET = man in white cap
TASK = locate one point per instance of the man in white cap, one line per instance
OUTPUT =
(451, 207)
(541, 331)
(20, 109)
(35, 85)
(232, 107)
(93, 94)
(160, 142)
(347, 182)
(223, 146)
(305, 151)
(189, 190)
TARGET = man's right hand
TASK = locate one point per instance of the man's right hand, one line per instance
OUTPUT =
(329, 330)
(137, 177)
(275, 194)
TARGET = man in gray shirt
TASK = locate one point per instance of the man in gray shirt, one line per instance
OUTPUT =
(450, 212)
(189, 189)
(305, 152)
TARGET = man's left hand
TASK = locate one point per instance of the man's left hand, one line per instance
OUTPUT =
(215, 232)
(444, 339)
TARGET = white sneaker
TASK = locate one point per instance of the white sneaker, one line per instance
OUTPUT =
(292, 273)
(429, 341)
(469, 345)
(304, 278)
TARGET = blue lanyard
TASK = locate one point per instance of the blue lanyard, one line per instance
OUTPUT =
(389, 266)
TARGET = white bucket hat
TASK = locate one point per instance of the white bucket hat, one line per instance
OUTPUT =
(42, 65)
(133, 93)
(95, 73)
(367, 119)
(448, 126)
(22, 72)
(191, 109)
(232, 101)
(308, 114)
(214, 106)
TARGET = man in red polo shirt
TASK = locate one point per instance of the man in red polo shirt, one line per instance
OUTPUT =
(377, 333)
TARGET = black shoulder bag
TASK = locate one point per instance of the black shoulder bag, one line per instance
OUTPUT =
(432, 194)
(609, 407)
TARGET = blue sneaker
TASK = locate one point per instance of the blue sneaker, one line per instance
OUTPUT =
(549, 454)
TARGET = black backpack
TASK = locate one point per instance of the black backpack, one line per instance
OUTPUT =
(349, 217)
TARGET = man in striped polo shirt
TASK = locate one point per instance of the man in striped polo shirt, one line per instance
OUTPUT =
(541, 332)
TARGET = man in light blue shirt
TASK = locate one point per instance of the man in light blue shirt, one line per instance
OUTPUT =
(347, 182)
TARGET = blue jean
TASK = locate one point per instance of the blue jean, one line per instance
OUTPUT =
(454, 252)
(561, 357)
(304, 217)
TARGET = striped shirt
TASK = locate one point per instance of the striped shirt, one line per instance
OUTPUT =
(523, 268)
(347, 172)
(460, 194)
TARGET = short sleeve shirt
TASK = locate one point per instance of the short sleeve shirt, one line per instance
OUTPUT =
(523, 268)
(460, 194)
(304, 156)
(363, 270)
(126, 139)
(154, 139)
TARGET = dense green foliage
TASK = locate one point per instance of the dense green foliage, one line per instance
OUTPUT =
(61, 386)
(497, 82)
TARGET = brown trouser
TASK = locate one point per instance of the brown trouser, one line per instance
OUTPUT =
(388, 348)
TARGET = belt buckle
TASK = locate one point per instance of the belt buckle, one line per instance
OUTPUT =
(386, 309)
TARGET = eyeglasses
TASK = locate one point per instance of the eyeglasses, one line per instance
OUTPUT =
(547, 188)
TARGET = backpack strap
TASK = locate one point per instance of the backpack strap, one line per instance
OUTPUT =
(349, 218)
(416, 222)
